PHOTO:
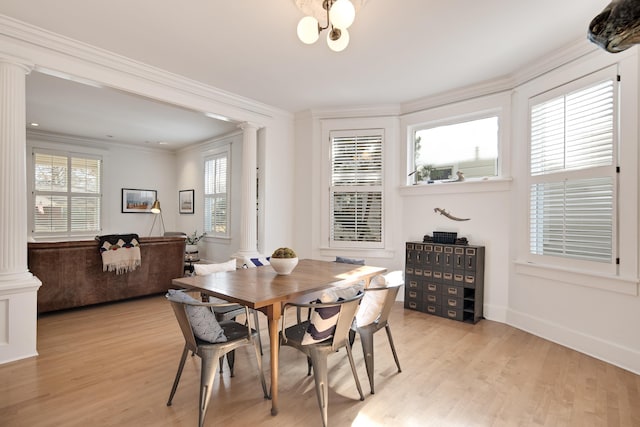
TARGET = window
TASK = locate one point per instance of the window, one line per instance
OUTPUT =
(67, 194)
(573, 174)
(216, 195)
(356, 189)
(469, 146)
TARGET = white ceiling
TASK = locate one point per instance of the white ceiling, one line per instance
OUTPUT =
(399, 51)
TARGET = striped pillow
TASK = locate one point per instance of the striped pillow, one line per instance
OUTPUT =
(323, 319)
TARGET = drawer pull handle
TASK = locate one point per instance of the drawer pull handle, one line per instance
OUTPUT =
(413, 294)
(451, 313)
(412, 305)
(431, 287)
(452, 303)
(431, 309)
(431, 298)
(452, 291)
(413, 284)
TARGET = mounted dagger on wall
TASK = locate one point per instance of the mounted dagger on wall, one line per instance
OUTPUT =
(448, 215)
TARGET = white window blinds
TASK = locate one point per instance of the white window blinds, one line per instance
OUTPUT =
(216, 215)
(573, 177)
(67, 194)
(356, 189)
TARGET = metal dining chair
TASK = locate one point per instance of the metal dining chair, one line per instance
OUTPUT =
(329, 324)
(373, 315)
(192, 318)
(228, 311)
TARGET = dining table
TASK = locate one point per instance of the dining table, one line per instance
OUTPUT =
(261, 288)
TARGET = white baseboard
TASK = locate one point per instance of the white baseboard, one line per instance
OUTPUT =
(607, 351)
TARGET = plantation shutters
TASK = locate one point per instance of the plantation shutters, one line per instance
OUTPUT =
(573, 175)
(67, 194)
(356, 189)
(216, 184)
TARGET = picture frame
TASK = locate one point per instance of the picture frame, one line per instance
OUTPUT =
(138, 201)
(186, 201)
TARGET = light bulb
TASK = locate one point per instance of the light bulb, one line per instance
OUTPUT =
(308, 30)
(342, 14)
(341, 43)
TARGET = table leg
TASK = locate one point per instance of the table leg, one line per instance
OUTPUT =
(273, 317)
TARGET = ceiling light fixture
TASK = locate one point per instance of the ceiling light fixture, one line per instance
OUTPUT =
(340, 14)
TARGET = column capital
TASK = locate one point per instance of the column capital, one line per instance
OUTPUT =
(249, 125)
(26, 65)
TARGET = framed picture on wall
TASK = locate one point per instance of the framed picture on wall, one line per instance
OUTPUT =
(138, 201)
(185, 201)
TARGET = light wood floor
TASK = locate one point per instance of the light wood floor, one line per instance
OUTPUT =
(113, 365)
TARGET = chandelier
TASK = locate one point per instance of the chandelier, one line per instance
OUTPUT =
(338, 15)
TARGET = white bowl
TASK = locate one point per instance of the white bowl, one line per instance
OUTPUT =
(283, 265)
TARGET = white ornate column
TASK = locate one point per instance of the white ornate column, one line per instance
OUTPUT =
(18, 287)
(248, 214)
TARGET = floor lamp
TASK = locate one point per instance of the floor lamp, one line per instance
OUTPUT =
(155, 209)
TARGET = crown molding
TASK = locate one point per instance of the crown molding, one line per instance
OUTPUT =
(352, 112)
(98, 144)
(551, 61)
(17, 33)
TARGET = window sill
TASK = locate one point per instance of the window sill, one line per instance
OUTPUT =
(605, 282)
(357, 253)
(470, 186)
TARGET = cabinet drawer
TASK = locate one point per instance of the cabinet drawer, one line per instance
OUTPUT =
(452, 313)
(470, 280)
(412, 285)
(432, 287)
(452, 302)
(432, 299)
(436, 310)
(451, 291)
(413, 305)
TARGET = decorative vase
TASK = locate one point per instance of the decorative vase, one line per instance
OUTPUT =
(191, 249)
(283, 266)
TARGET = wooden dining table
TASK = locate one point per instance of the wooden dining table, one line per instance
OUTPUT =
(262, 289)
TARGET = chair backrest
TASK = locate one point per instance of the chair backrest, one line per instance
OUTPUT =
(348, 308)
(379, 299)
(180, 310)
(387, 304)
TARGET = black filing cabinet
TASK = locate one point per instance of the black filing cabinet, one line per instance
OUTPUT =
(445, 280)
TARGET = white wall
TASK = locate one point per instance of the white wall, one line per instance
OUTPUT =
(124, 167)
(190, 176)
(597, 314)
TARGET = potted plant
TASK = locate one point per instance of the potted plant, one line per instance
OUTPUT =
(192, 241)
(283, 260)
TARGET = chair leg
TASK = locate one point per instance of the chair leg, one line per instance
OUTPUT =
(257, 325)
(353, 369)
(185, 352)
(366, 338)
(207, 375)
(393, 348)
(320, 375)
(231, 361)
(259, 359)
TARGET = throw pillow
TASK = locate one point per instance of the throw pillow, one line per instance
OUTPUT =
(203, 321)
(349, 260)
(323, 320)
(255, 262)
(372, 302)
(204, 269)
